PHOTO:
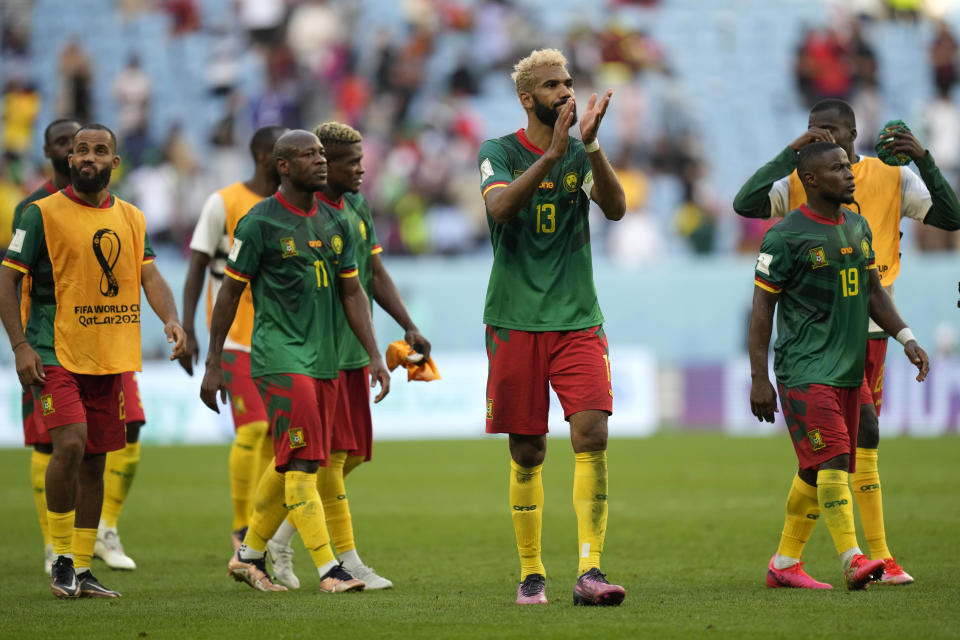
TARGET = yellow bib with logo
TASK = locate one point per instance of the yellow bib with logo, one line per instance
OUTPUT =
(878, 193)
(96, 256)
(237, 200)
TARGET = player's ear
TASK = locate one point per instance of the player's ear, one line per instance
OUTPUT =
(853, 133)
(526, 99)
(115, 162)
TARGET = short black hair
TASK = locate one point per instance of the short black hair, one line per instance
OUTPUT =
(264, 138)
(98, 127)
(844, 109)
(808, 156)
(58, 121)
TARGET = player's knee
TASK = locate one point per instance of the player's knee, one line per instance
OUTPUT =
(528, 451)
(868, 434)
(70, 448)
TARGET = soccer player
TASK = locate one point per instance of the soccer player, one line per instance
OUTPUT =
(818, 264)
(296, 258)
(885, 194)
(91, 248)
(352, 441)
(252, 447)
(57, 145)
(544, 324)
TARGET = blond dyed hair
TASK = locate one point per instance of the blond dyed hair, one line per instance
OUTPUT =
(336, 133)
(523, 71)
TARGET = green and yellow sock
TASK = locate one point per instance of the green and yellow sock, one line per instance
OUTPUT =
(269, 510)
(590, 504)
(336, 507)
(38, 482)
(526, 503)
(83, 541)
(306, 513)
(865, 482)
(244, 465)
(61, 531)
(836, 506)
(118, 473)
(802, 513)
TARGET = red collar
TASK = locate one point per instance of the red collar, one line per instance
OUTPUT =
(807, 211)
(50, 187)
(525, 141)
(69, 192)
(292, 209)
(335, 205)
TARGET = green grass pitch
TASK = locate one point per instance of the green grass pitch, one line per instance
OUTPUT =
(693, 522)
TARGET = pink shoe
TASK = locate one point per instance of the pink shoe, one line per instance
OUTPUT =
(533, 590)
(253, 572)
(862, 571)
(593, 590)
(893, 574)
(793, 577)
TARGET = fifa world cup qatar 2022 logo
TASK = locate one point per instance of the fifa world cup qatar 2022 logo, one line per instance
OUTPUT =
(106, 248)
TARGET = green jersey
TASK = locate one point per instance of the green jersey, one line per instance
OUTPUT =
(291, 258)
(542, 275)
(820, 269)
(44, 190)
(354, 209)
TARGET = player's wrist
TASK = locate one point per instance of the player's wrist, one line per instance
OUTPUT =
(19, 344)
(593, 145)
(905, 335)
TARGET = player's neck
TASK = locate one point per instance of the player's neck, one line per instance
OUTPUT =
(854, 158)
(824, 209)
(331, 194)
(95, 199)
(60, 181)
(261, 184)
(538, 133)
(300, 199)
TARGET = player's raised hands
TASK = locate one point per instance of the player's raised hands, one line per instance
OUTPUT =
(590, 122)
(918, 356)
(213, 383)
(763, 400)
(561, 130)
(813, 134)
(379, 373)
(899, 141)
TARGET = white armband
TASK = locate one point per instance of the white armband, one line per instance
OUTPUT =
(905, 335)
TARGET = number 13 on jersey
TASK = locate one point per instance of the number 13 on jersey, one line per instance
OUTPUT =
(546, 218)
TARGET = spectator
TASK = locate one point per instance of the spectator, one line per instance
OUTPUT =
(131, 92)
(943, 58)
(76, 75)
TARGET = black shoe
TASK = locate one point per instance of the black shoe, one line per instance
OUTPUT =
(90, 587)
(63, 579)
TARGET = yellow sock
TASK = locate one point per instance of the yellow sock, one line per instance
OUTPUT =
(306, 513)
(836, 505)
(83, 541)
(38, 481)
(865, 482)
(264, 456)
(803, 510)
(336, 507)
(590, 503)
(118, 473)
(269, 510)
(526, 502)
(243, 470)
(61, 531)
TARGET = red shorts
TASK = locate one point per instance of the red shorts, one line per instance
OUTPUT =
(524, 364)
(871, 392)
(132, 404)
(33, 430)
(822, 422)
(352, 424)
(68, 398)
(245, 402)
(301, 409)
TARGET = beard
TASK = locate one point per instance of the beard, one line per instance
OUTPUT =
(96, 184)
(549, 116)
(61, 166)
(307, 184)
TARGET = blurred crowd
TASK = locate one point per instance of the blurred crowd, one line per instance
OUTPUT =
(422, 93)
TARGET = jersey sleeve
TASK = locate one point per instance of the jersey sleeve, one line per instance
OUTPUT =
(494, 167)
(375, 247)
(149, 255)
(348, 255)
(27, 241)
(915, 200)
(780, 198)
(866, 246)
(246, 251)
(211, 226)
(756, 197)
(774, 263)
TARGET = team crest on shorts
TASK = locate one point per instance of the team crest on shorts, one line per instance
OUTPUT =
(296, 438)
(239, 405)
(815, 440)
(287, 248)
(337, 244)
(570, 182)
(46, 403)
(818, 257)
(489, 408)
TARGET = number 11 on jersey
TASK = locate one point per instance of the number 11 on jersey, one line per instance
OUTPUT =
(321, 274)
(549, 212)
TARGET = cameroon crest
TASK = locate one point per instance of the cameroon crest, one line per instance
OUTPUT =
(570, 182)
(337, 244)
(815, 439)
(296, 438)
(818, 257)
(287, 248)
